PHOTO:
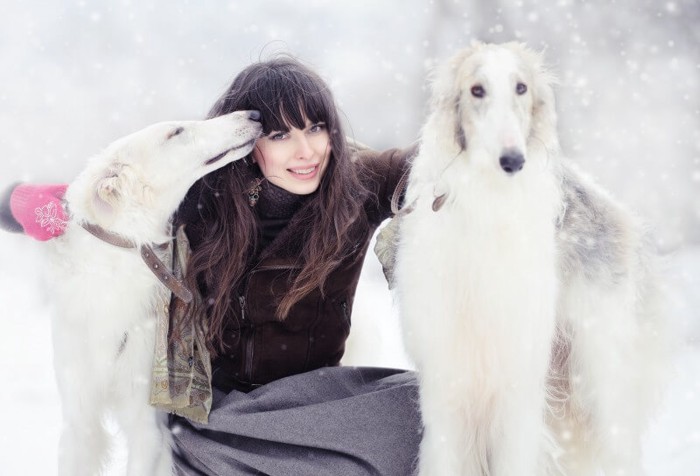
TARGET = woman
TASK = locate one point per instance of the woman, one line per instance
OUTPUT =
(274, 244)
(278, 242)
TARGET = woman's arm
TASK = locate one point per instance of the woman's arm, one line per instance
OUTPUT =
(384, 171)
(7, 221)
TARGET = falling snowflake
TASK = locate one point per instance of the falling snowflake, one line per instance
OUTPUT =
(47, 217)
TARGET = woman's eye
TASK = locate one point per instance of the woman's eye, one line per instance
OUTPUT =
(277, 135)
(318, 127)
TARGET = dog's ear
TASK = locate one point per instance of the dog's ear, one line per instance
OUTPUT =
(107, 188)
(107, 191)
(447, 90)
(445, 80)
(544, 113)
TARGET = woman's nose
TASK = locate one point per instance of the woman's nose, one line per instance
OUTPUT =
(304, 150)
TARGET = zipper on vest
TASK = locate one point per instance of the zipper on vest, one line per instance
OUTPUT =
(250, 344)
(241, 301)
(249, 347)
(344, 307)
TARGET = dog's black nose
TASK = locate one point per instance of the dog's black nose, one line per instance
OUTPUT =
(254, 116)
(512, 161)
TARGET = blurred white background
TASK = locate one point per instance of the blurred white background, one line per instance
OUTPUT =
(76, 75)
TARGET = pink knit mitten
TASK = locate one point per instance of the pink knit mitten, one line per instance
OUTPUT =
(39, 210)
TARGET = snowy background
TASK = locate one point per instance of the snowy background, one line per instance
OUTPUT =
(76, 75)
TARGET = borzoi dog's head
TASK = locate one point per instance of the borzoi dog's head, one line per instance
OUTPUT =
(138, 181)
(494, 105)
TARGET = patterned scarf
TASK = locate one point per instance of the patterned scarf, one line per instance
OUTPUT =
(181, 374)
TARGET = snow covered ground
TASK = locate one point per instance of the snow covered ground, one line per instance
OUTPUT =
(29, 405)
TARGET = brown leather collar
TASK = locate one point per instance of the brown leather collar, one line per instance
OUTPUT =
(149, 257)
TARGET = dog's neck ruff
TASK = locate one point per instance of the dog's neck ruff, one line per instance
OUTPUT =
(149, 257)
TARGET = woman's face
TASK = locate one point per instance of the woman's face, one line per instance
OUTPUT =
(294, 160)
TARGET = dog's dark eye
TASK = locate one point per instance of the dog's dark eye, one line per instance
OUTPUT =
(175, 132)
(521, 88)
(478, 91)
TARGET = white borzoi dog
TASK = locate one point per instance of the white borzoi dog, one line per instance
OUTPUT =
(105, 297)
(527, 295)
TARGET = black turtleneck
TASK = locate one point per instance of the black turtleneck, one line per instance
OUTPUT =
(275, 207)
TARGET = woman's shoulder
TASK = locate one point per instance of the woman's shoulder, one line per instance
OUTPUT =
(381, 171)
(383, 164)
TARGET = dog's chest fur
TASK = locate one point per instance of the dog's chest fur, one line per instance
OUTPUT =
(104, 297)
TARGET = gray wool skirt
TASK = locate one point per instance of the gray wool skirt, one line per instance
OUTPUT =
(337, 421)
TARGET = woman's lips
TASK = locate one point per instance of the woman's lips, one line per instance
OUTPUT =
(304, 173)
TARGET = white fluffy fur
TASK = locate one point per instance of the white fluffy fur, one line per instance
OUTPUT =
(528, 300)
(105, 297)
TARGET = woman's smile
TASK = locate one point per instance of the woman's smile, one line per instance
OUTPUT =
(305, 173)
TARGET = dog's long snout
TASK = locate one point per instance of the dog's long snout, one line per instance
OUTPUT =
(512, 161)
(254, 116)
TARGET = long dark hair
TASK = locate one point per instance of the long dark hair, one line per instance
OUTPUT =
(287, 93)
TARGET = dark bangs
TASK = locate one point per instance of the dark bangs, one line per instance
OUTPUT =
(284, 97)
(288, 100)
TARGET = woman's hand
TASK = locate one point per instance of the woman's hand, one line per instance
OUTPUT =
(35, 210)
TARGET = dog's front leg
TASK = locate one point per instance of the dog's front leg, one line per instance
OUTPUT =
(518, 446)
(82, 448)
(451, 441)
(148, 442)
(519, 375)
(84, 442)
